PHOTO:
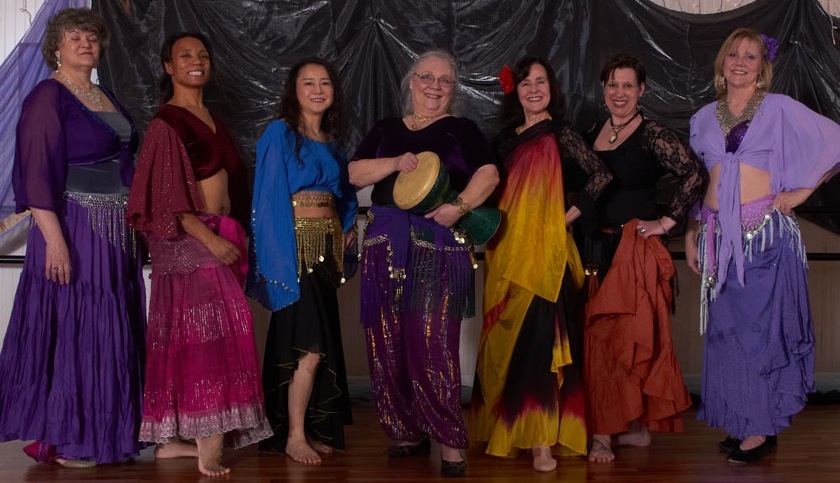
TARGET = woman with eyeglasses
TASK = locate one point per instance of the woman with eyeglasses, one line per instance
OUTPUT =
(416, 269)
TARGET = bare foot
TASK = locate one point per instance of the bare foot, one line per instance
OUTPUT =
(319, 446)
(299, 450)
(177, 448)
(543, 461)
(601, 452)
(639, 436)
(210, 456)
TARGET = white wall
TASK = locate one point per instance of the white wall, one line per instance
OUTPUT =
(15, 17)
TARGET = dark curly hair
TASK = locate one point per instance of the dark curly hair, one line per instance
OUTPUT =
(165, 85)
(66, 19)
(511, 107)
(332, 123)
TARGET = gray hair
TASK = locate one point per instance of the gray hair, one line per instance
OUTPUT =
(408, 105)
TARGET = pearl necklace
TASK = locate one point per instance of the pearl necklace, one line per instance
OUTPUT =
(94, 95)
(616, 128)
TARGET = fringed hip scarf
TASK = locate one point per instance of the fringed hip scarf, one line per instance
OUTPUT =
(422, 258)
(185, 254)
(106, 216)
(761, 226)
(319, 240)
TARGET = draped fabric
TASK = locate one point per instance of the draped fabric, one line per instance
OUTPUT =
(20, 72)
(373, 42)
(532, 258)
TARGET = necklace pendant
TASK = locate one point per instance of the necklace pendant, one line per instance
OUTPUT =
(613, 138)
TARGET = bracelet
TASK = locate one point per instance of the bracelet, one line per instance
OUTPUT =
(664, 230)
(463, 206)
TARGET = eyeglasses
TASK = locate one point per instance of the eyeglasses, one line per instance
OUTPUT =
(429, 79)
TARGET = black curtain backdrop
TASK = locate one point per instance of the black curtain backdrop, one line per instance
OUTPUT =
(372, 43)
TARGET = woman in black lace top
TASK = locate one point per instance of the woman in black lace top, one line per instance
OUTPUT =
(623, 359)
(528, 392)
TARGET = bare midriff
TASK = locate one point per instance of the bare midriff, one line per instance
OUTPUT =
(755, 184)
(214, 193)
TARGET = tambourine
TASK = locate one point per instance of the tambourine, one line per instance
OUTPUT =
(427, 186)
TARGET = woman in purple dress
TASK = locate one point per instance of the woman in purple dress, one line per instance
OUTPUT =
(417, 280)
(766, 153)
(71, 369)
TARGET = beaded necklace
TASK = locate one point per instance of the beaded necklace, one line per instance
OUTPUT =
(94, 95)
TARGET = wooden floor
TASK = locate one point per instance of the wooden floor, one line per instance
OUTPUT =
(809, 451)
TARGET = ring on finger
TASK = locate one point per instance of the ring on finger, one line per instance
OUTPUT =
(641, 231)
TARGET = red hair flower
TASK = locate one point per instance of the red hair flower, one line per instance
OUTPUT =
(506, 79)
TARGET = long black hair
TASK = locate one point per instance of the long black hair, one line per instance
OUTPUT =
(165, 85)
(511, 107)
(332, 123)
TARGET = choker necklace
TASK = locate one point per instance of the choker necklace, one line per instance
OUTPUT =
(94, 95)
(616, 128)
(418, 121)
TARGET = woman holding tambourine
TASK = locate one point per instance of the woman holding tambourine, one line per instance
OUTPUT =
(416, 270)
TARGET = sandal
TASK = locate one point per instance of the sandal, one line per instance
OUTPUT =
(409, 450)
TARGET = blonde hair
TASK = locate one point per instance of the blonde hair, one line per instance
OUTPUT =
(765, 75)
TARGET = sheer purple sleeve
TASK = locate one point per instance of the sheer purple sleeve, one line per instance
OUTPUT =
(40, 168)
(809, 147)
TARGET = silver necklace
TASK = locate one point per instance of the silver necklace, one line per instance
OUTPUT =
(727, 120)
(94, 95)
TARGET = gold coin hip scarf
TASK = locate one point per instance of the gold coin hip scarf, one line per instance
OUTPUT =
(313, 199)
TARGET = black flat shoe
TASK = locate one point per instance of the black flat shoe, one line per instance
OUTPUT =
(453, 469)
(755, 454)
(729, 444)
(409, 450)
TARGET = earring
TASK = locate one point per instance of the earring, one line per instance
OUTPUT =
(58, 60)
(759, 84)
(720, 82)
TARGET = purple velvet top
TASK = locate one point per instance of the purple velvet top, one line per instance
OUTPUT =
(793, 143)
(55, 131)
(458, 142)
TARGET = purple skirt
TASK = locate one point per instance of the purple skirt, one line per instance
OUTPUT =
(71, 368)
(759, 355)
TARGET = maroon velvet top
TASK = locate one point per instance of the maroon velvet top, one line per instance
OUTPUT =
(180, 149)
